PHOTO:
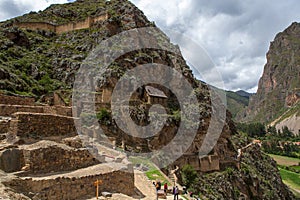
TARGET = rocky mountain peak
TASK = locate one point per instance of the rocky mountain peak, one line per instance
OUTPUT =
(279, 86)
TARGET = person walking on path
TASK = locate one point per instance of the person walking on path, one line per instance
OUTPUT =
(175, 192)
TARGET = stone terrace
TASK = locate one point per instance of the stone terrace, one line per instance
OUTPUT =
(28, 126)
(9, 110)
(49, 156)
(45, 158)
(116, 177)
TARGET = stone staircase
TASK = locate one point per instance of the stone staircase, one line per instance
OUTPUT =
(172, 179)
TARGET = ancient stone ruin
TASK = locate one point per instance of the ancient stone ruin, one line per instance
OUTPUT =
(45, 158)
(72, 26)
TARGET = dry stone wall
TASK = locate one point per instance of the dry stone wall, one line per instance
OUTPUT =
(205, 164)
(9, 110)
(16, 100)
(38, 125)
(11, 160)
(36, 26)
(75, 187)
(4, 126)
(48, 156)
(210, 163)
(87, 23)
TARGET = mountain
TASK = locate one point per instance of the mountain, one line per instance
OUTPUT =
(40, 55)
(35, 60)
(279, 87)
(237, 101)
(244, 93)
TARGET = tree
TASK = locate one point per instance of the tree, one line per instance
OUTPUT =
(286, 133)
(272, 130)
(252, 129)
(189, 175)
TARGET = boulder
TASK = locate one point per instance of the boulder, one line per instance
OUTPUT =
(106, 194)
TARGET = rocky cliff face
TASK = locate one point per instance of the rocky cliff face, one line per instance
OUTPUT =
(36, 62)
(257, 178)
(279, 86)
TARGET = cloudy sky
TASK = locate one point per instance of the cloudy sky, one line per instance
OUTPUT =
(235, 34)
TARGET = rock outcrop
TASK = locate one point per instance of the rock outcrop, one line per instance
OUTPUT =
(279, 86)
(248, 182)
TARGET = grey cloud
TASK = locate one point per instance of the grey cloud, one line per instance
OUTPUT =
(214, 7)
(236, 34)
(9, 9)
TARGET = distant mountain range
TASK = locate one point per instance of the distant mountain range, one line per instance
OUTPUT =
(237, 101)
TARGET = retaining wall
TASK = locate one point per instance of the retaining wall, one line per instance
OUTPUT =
(77, 184)
(87, 23)
(4, 126)
(9, 110)
(48, 156)
(16, 100)
(38, 125)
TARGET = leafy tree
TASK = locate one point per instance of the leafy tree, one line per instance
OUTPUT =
(272, 130)
(286, 133)
(252, 129)
(189, 175)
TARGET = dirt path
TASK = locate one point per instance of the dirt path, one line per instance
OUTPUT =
(145, 186)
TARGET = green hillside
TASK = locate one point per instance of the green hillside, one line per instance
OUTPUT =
(236, 103)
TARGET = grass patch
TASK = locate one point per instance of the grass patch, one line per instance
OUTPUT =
(291, 179)
(156, 175)
(152, 173)
(284, 160)
(296, 167)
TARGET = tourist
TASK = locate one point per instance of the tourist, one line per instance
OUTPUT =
(175, 192)
(165, 188)
(184, 190)
(157, 186)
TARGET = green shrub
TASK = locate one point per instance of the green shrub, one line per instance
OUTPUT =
(189, 175)
(176, 115)
(103, 114)
(229, 171)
